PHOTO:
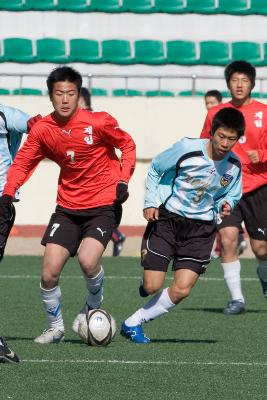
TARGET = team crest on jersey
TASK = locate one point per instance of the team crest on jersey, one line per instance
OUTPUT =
(226, 179)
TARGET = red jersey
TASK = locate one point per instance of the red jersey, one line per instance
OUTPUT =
(255, 138)
(84, 149)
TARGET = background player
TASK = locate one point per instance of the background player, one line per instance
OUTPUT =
(91, 179)
(195, 179)
(212, 98)
(252, 151)
(117, 237)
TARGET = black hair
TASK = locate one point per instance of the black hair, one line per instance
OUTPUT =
(63, 74)
(84, 92)
(214, 93)
(229, 118)
(242, 67)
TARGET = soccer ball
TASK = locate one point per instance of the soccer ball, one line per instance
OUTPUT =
(97, 328)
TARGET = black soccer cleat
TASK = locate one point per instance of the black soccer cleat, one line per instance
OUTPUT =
(117, 245)
(6, 354)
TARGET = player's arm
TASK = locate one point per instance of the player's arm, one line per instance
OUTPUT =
(16, 120)
(259, 155)
(205, 134)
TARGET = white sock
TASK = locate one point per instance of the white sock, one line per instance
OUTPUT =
(232, 279)
(51, 302)
(95, 287)
(262, 269)
(159, 304)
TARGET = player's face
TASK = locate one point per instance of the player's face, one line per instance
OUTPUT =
(222, 141)
(240, 88)
(211, 101)
(65, 97)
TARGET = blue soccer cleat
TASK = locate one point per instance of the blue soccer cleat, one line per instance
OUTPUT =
(134, 333)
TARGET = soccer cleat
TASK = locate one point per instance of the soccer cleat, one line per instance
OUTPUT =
(263, 283)
(234, 307)
(79, 318)
(134, 333)
(242, 246)
(117, 246)
(50, 335)
(142, 291)
(6, 354)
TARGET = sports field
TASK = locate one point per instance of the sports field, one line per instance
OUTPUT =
(197, 352)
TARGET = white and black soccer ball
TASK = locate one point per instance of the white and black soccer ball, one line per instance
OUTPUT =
(97, 328)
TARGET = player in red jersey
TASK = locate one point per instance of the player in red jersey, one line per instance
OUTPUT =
(252, 151)
(91, 187)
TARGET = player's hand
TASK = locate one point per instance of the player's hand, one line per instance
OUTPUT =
(31, 122)
(253, 155)
(151, 213)
(226, 210)
(122, 193)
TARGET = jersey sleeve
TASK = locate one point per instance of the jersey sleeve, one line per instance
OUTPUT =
(113, 135)
(16, 120)
(24, 164)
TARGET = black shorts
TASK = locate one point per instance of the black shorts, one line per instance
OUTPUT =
(188, 242)
(252, 209)
(67, 227)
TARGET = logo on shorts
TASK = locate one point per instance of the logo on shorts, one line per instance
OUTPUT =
(143, 254)
(226, 179)
(262, 230)
(100, 230)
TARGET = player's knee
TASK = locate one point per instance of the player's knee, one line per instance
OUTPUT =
(178, 293)
(89, 267)
(260, 250)
(50, 276)
(152, 287)
(229, 243)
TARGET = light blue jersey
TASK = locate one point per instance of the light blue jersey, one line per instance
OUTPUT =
(13, 123)
(191, 184)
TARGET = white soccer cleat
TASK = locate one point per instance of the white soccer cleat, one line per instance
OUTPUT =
(50, 335)
(80, 318)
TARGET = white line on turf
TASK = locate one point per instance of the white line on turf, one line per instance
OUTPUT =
(118, 277)
(204, 363)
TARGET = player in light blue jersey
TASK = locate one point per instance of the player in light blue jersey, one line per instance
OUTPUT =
(196, 181)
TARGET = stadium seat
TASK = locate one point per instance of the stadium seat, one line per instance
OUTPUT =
(213, 52)
(18, 50)
(161, 93)
(183, 52)
(106, 5)
(41, 5)
(201, 7)
(248, 51)
(225, 93)
(117, 52)
(51, 50)
(27, 92)
(258, 7)
(169, 6)
(187, 93)
(4, 91)
(12, 5)
(264, 62)
(74, 5)
(237, 7)
(137, 6)
(99, 92)
(149, 52)
(126, 92)
(84, 50)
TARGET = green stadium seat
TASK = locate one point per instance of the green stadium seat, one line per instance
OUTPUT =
(149, 52)
(117, 52)
(187, 93)
(201, 6)
(169, 6)
(183, 52)
(106, 5)
(12, 5)
(264, 61)
(258, 7)
(18, 50)
(137, 6)
(126, 92)
(214, 52)
(73, 5)
(98, 92)
(237, 7)
(225, 93)
(51, 50)
(41, 5)
(161, 93)
(84, 50)
(4, 91)
(248, 51)
(27, 92)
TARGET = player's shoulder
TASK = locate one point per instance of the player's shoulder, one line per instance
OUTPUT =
(190, 144)
(258, 105)
(234, 159)
(219, 107)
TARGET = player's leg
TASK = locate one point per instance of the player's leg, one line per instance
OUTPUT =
(229, 231)
(61, 240)
(5, 231)
(118, 239)
(6, 354)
